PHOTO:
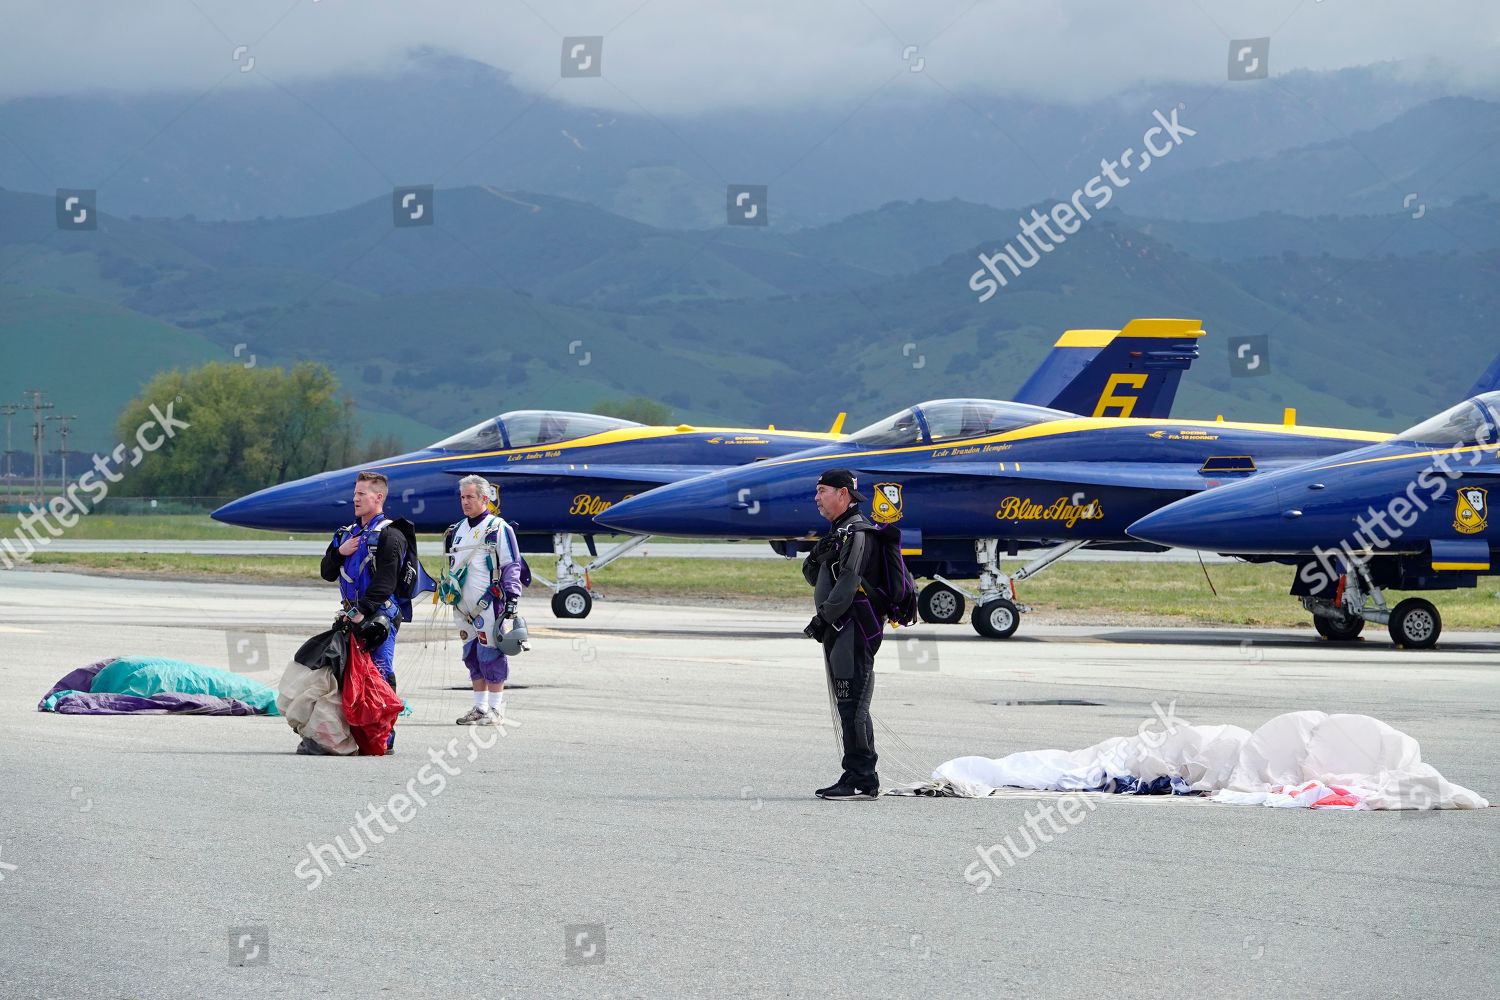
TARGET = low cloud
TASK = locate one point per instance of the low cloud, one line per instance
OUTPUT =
(678, 57)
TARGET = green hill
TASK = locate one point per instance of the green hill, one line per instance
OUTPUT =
(90, 356)
(1439, 152)
(514, 300)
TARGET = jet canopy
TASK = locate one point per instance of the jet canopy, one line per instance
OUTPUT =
(943, 420)
(530, 429)
(1473, 422)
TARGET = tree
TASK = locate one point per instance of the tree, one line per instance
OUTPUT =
(381, 446)
(637, 408)
(248, 428)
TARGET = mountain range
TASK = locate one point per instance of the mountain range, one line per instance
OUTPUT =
(257, 146)
(1371, 262)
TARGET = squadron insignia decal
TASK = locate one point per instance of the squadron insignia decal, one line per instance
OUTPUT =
(1473, 510)
(885, 508)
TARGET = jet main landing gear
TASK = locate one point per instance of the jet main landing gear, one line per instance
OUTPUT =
(1339, 629)
(940, 604)
(1413, 624)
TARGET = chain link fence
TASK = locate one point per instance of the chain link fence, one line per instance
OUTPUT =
(19, 503)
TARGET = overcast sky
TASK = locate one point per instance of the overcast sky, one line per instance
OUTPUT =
(684, 56)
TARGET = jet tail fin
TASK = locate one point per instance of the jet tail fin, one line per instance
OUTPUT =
(1132, 372)
(1488, 382)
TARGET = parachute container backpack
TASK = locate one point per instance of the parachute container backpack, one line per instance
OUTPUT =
(411, 577)
(896, 591)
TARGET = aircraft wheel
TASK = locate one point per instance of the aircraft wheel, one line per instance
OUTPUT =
(1345, 629)
(572, 602)
(997, 619)
(940, 604)
(1416, 624)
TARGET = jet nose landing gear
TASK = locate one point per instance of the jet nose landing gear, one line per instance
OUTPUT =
(572, 602)
(572, 597)
(996, 619)
(997, 613)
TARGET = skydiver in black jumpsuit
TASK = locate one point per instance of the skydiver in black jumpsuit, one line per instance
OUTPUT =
(848, 626)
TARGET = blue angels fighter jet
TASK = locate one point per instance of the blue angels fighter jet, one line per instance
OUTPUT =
(557, 471)
(1410, 513)
(967, 480)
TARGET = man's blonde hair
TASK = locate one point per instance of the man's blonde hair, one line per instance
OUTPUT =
(377, 482)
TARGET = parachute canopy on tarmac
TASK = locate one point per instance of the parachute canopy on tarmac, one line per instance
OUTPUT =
(156, 686)
(1296, 760)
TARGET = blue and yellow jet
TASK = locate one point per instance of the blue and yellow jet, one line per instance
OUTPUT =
(967, 480)
(558, 471)
(1411, 513)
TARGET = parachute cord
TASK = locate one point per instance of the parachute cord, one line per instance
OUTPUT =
(922, 777)
(833, 711)
(427, 664)
(1206, 576)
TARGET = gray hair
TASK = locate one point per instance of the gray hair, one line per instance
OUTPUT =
(479, 483)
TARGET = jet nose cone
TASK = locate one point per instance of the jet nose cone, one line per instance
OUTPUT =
(1218, 520)
(304, 505)
(750, 503)
(1166, 527)
(685, 508)
(232, 512)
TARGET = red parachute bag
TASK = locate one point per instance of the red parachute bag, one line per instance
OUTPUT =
(370, 706)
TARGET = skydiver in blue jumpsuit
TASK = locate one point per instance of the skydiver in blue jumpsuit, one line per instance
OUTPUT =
(366, 578)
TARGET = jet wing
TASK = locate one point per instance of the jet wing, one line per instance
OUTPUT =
(660, 474)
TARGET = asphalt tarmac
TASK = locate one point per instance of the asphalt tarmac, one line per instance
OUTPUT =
(644, 826)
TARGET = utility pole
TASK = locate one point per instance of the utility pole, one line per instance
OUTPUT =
(38, 431)
(62, 451)
(9, 410)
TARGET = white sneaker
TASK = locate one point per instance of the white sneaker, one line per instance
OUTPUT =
(474, 716)
(494, 716)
